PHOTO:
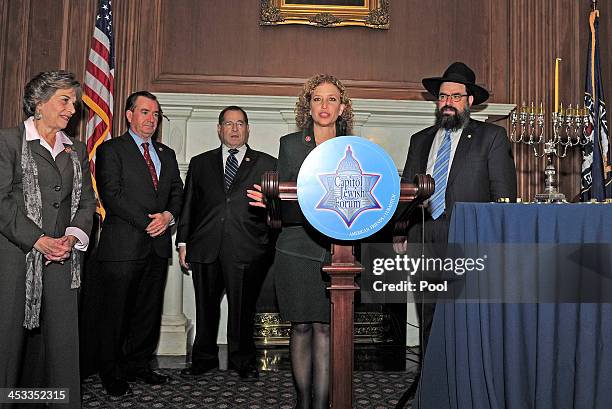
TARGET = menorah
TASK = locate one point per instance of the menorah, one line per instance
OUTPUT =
(569, 129)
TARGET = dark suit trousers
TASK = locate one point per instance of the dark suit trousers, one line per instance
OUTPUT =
(133, 302)
(240, 282)
(433, 232)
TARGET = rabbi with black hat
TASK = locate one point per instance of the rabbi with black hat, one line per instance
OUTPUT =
(470, 161)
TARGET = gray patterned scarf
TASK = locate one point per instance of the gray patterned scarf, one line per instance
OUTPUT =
(33, 205)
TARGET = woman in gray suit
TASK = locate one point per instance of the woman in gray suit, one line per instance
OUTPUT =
(323, 111)
(46, 211)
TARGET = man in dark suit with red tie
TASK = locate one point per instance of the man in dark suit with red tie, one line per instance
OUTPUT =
(141, 189)
(225, 243)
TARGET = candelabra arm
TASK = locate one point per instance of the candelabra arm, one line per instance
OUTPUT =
(535, 150)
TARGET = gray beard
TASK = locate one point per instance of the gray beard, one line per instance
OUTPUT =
(452, 122)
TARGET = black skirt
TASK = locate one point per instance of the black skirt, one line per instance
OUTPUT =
(301, 289)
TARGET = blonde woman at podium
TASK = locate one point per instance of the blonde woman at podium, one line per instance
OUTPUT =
(323, 111)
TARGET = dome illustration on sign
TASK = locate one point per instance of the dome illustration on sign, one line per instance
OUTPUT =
(348, 188)
(349, 191)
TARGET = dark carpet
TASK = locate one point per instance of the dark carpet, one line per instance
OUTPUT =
(225, 390)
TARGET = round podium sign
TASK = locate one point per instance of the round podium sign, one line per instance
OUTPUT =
(348, 188)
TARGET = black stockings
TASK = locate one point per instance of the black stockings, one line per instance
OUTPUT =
(310, 364)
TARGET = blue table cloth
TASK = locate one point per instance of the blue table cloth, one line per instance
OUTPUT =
(520, 356)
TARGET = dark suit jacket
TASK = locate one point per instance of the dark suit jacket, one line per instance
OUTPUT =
(483, 166)
(212, 218)
(298, 238)
(128, 195)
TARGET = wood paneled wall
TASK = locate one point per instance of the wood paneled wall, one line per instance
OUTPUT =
(40, 35)
(218, 47)
(230, 51)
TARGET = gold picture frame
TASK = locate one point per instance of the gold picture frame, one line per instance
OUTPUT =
(326, 13)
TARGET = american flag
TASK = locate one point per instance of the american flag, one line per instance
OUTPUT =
(596, 181)
(98, 87)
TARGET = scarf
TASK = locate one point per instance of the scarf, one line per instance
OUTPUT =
(34, 259)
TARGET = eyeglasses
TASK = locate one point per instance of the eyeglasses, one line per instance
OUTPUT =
(230, 124)
(453, 97)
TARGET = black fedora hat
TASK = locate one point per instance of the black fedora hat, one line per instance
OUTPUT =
(462, 74)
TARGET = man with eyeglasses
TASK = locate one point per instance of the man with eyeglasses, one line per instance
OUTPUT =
(225, 243)
(470, 161)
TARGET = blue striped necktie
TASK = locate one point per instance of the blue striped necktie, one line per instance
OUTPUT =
(437, 203)
(231, 167)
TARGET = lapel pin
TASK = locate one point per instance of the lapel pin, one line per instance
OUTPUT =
(247, 159)
(469, 136)
(160, 149)
(308, 139)
(68, 149)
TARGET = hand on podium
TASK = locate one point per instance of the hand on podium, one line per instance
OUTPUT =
(256, 195)
(400, 244)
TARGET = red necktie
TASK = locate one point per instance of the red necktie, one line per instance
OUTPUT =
(150, 165)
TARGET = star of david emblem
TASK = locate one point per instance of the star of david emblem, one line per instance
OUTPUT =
(348, 191)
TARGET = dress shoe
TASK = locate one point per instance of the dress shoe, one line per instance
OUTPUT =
(199, 368)
(116, 387)
(248, 373)
(148, 376)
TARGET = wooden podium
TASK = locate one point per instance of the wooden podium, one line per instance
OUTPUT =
(342, 271)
